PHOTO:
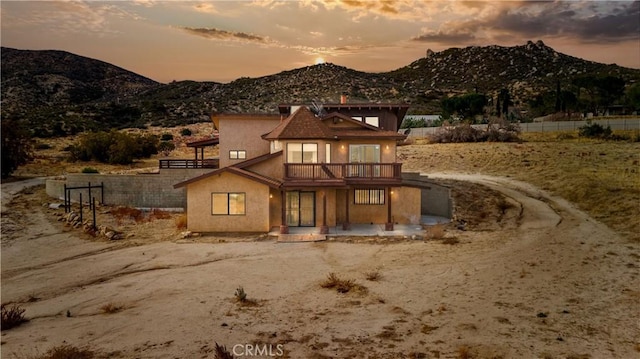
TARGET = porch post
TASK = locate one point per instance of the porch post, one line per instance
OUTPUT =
(324, 229)
(284, 228)
(389, 225)
(346, 226)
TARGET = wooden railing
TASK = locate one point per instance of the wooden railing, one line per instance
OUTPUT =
(342, 171)
(183, 164)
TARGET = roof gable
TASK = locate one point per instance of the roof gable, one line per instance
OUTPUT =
(302, 124)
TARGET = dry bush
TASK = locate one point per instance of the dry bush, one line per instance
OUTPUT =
(222, 352)
(451, 241)
(181, 221)
(241, 298)
(373, 275)
(341, 285)
(66, 351)
(240, 294)
(12, 316)
(500, 132)
(121, 213)
(436, 231)
(464, 352)
(159, 214)
(111, 308)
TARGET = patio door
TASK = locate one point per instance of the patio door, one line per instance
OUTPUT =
(301, 209)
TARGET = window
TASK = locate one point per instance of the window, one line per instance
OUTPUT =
(369, 196)
(276, 146)
(327, 153)
(228, 204)
(357, 118)
(364, 153)
(302, 153)
(373, 121)
(237, 154)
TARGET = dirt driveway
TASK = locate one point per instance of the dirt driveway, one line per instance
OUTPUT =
(554, 284)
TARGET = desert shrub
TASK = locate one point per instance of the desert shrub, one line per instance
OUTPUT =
(594, 130)
(373, 275)
(159, 214)
(181, 221)
(185, 132)
(221, 352)
(505, 132)
(436, 231)
(240, 294)
(121, 213)
(166, 137)
(113, 147)
(66, 351)
(111, 308)
(341, 285)
(166, 147)
(89, 170)
(42, 146)
(12, 316)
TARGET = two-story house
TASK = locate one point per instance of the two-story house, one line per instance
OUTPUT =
(299, 169)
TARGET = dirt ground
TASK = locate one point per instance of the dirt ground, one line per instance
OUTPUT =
(530, 277)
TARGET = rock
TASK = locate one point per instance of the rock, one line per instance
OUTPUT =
(186, 234)
(55, 205)
(110, 235)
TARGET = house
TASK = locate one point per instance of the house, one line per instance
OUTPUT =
(299, 169)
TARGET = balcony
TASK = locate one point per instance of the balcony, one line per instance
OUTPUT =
(189, 164)
(332, 174)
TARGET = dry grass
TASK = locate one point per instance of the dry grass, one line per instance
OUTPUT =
(464, 352)
(181, 221)
(111, 308)
(221, 352)
(12, 316)
(127, 213)
(436, 231)
(342, 285)
(373, 275)
(66, 351)
(600, 177)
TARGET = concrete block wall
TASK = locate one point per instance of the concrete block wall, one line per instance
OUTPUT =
(136, 190)
(435, 200)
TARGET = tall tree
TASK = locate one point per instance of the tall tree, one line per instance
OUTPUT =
(16, 146)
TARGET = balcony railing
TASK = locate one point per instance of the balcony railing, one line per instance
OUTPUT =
(342, 171)
(184, 164)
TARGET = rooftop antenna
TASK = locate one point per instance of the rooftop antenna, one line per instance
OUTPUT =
(318, 109)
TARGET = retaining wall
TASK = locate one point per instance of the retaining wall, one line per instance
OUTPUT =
(435, 199)
(153, 190)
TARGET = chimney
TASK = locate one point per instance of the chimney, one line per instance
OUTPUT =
(343, 99)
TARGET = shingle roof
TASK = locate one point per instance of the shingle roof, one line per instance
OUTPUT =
(239, 169)
(302, 124)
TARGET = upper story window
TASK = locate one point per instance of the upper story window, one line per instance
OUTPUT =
(369, 120)
(237, 154)
(302, 153)
(276, 146)
(372, 120)
(364, 153)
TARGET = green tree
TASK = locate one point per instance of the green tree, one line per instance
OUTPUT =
(16, 146)
(466, 106)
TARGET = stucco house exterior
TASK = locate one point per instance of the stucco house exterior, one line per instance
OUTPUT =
(300, 169)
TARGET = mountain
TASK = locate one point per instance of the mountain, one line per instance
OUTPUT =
(57, 92)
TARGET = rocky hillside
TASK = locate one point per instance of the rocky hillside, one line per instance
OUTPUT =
(58, 92)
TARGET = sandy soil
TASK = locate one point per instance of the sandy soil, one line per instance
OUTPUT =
(548, 283)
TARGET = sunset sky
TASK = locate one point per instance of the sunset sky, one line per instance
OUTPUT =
(224, 40)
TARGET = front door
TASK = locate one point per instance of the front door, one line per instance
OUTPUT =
(301, 209)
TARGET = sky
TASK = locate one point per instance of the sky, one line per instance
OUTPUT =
(225, 40)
